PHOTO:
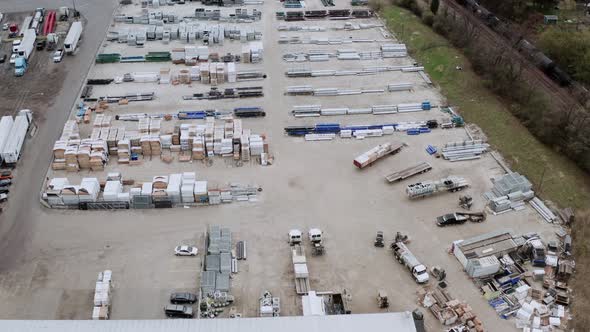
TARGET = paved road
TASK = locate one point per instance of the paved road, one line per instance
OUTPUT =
(23, 211)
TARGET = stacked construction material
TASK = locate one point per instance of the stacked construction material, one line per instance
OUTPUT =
(227, 93)
(465, 150)
(339, 14)
(509, 192)
(173, 188)
(186, 32)
(317, 110)
(308, 90)
(89, 189)
(394, 50)
(111, 191)
(187, 187)
(543, 210)
(377, 153)
(102, 296)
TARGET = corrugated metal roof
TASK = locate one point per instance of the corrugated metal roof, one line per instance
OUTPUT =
(400, 322)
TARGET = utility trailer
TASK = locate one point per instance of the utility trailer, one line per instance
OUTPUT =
(377, 153)
(300, 269)
(427, 188)
(422, 167)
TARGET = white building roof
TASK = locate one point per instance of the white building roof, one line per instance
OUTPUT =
(399, 322)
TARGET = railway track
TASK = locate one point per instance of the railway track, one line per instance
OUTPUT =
(559, 96)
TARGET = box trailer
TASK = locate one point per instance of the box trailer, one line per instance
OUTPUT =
(71, 41)
(27, 44)
(12, 150)
(5, 127)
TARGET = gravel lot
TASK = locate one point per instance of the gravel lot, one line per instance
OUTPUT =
(311, 184)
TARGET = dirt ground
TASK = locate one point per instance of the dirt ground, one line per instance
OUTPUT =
(311, 184)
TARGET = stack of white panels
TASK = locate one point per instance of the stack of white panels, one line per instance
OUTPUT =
(146, 189)
(89, 189)
(187, 187)
(200, 192)
(231, 72)
(173, 188)
(112, 189)
(256, 145)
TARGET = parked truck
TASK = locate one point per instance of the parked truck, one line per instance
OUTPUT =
(52, 41)
(27, 44)
(72, 38)
(427, 188)
(405, 257)
(300, 269)
(20, 66)
(11, 152)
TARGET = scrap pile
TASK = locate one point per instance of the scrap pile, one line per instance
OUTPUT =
(465, 150)
(450, 311)
(215, 279)
(102, 296)
(304, 111)
(537, 297)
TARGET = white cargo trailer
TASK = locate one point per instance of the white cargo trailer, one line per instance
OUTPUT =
(5, 128)
(71, 41)
(12, 150)
(27, 44)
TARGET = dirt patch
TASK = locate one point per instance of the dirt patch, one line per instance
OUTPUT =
(71, 301)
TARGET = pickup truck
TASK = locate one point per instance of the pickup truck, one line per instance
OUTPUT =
(459, 218)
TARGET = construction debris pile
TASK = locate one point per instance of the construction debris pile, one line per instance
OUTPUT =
(465, 150)
(537, 297)
(218, 267)
(450, 311)
(102, 296)
(174, 189)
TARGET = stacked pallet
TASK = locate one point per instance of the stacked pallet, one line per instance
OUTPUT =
(124, 151)
(102, 296)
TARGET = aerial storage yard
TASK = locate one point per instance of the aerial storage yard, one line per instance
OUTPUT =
(354, 187)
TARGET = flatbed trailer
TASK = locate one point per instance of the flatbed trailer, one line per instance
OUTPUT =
(420, 168)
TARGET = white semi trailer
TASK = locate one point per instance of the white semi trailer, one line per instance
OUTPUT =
(73, 37)
(27, 44)
(5, 127)
(12, 150)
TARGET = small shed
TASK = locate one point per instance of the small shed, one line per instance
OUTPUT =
(550, 19)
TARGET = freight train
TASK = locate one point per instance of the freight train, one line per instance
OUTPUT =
(543, 62)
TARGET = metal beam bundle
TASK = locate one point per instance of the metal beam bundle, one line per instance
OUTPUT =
(466, 150)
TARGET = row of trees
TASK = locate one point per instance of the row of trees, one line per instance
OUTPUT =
(566, 130)
(570, 49)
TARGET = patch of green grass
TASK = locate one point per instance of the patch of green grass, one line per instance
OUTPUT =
(555, 177)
